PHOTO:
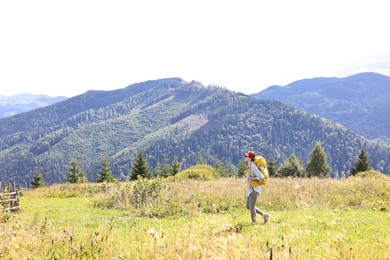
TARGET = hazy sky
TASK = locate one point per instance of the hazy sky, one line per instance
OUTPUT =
(68, 47)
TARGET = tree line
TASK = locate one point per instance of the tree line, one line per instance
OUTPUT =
(317, 166)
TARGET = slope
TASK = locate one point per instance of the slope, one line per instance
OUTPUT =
(168, 117)
(359, 102)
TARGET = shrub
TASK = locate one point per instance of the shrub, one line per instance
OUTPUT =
(145, 191)
(370, 174)
(198, 172)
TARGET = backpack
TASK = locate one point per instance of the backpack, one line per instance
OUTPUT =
(261, 162)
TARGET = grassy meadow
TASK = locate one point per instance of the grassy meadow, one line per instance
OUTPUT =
(192, 219)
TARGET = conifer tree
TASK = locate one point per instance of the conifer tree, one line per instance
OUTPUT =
(140, 167)
(75, 174)
(220, 169)
(105, 174)
(241, 168)
(230, 170)
(175, 166)
(166, 169)
(271, 167)
(158, 171)
(318, 164)
(362, 164)
(292, 167)
(37, 180)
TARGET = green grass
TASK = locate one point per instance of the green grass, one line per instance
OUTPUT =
(310, 219)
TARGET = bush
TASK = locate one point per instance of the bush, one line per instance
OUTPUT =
(198, 172)
(370, 174)
(145, 191)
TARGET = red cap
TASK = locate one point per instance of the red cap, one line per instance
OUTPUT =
(251, 155)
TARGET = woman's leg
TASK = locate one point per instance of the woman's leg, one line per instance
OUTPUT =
(258, 211)
(251, 204)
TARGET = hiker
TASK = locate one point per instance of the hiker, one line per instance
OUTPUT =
(253, 174)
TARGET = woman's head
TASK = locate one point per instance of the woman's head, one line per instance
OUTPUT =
(250, 155)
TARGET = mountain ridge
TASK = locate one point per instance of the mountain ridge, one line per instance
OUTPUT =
(360, 101)
(12, 105)
(169, 117)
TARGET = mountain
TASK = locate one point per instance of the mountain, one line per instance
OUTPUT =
(174, 118)
(10, 106)
(359, 102)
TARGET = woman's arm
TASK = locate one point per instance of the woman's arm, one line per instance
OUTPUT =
(258, 174)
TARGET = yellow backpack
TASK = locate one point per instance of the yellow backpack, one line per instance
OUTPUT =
(260, 162)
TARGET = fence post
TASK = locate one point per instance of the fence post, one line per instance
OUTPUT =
(9, 196)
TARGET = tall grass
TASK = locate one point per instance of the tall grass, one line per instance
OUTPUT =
(218, 196)
(310, 219)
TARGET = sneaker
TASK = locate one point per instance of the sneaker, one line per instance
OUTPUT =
(266, 217)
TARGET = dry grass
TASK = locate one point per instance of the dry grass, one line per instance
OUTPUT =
(311, 219)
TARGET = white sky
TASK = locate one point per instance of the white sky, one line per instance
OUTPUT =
(69, 47)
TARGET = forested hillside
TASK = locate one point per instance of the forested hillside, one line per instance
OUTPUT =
(360, 102)
(173, 118)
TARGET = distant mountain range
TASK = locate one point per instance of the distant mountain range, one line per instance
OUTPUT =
(169, 117)
(10, 106)
(359, 102)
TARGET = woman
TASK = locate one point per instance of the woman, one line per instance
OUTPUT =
(253, 174)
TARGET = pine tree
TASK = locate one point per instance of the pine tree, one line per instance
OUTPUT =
(220, 168)
(75, 174)
(271, 167)
(230, 170)
(166, 169)
(241, 168)
(292, 167)
(140, 167)
(175, 166)
(318, 164)
(362, 164)
(83, 177)
(105, 174)
(37, 180)
(158, 171)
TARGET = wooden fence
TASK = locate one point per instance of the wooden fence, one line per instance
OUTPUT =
(9, 196)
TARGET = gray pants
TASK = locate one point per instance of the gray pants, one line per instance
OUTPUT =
(251, 205)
